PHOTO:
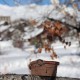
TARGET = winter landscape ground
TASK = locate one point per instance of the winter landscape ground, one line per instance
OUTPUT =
(16, 60)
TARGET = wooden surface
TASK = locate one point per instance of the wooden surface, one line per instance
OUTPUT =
(29, 77)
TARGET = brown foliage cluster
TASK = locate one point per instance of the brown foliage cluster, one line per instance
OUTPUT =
(48, 49)
(53, 29)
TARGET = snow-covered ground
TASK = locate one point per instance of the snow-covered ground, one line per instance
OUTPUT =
(15, 60)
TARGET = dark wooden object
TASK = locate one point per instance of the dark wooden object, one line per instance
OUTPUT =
(43, 68)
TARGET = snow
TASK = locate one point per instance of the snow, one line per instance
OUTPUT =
(37, 10)
(2, 28)
(2, 22)
(32, 33)
(15, 60)
(73, 49)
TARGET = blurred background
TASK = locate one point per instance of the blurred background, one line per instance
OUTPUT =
(19, 11)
